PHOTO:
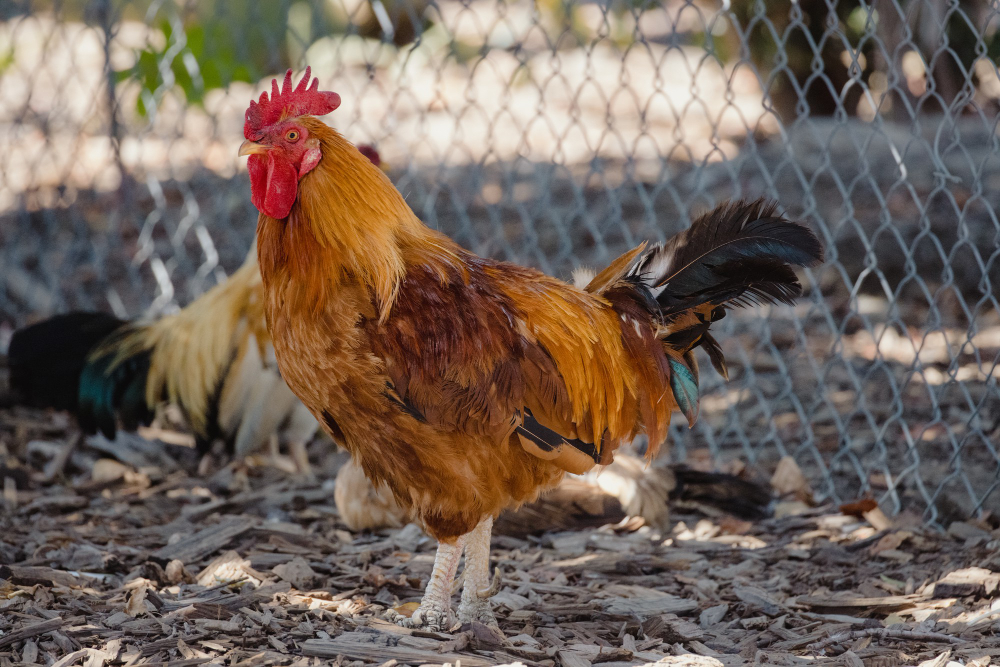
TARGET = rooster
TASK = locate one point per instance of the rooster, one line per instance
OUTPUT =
(468, 385)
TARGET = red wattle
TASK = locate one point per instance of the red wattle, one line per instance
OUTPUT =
(273, 184)
(257, 166)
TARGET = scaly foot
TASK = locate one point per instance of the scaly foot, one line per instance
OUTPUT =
(426, 617)
(477, 609)
(434, 612)
(479, 588)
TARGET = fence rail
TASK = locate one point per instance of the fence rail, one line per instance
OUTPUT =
(558, 133)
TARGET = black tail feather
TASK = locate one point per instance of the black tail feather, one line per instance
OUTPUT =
(738, 254)
(714, 351)
(47, 358)
(113, 390)
(53, 365)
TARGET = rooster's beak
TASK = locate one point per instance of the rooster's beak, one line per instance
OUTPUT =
(249, 148)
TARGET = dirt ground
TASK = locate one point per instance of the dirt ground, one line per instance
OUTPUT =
(119, 553)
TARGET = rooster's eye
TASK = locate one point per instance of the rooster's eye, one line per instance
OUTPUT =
(292, 135)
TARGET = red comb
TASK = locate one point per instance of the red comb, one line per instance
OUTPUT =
(288, 103)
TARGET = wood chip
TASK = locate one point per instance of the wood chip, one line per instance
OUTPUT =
(136, 604)
(974, 581)
(32, 630)
(887, 603)
(647, 606)
(573, 659)
(758, 598)
(205, 541)
(296, 572)
(364, 646)
(877, 518)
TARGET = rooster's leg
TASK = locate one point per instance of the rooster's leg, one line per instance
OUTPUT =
(434, 612)
(478, 586)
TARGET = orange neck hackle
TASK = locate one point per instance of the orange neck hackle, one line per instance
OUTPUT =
(348, 223)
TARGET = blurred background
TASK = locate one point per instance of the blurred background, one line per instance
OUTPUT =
(558, 134)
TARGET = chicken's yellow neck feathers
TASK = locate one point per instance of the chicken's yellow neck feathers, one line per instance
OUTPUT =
(203, 339)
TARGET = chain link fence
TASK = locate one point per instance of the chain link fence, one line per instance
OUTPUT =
(555, 134)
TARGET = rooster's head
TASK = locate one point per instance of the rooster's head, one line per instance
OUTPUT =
(280, 146)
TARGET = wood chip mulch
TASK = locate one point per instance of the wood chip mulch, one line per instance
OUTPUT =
(124, 556)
